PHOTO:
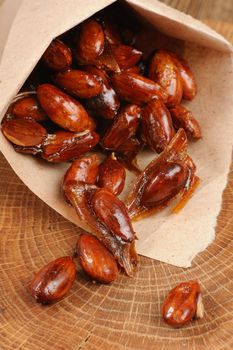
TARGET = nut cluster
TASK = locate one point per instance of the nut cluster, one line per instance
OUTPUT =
(93, 89)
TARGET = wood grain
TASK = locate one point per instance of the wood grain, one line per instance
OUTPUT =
(125, 315)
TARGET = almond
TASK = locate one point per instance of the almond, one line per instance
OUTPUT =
(90, 43)
(98, 263)
(58, 56)
(64, 110)
(24, 132)
(137, 89)
(28, 107)
(53, 281)
(123, 127)
(157, 130)
(113, 214)
(164, 71)
(183, 118)
(64, 146)
(112, 175)
(78, 83)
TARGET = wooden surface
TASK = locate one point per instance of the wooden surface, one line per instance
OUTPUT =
(125, 315)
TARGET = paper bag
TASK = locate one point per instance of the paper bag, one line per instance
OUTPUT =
(172, 238)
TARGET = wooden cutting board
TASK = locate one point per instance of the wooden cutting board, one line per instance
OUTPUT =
(125, 315)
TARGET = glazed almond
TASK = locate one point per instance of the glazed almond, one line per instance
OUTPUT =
(24, 132)
(164, 178)
(157, 129)
(112, 175)
(28, 107)
(106, 104)
(123, 127)
(113, 214)
(126, 56)
(164, 71)
(183, 118)
(187, 77)
(100, 74)
(53, 281)
(90, 43)
(64, 110)
(84, 170)
(111, 34)
(64, 145)
(137, 89)
(98, 263)
(183, 304)
(58, 56)
(78, 83)
(165, 183)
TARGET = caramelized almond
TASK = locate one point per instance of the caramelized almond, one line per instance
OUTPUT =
(53, 281)
(134, 69)
(58, 56)
(165, 183)
(104, 105)
(111, 34)
(181, 304)
(24, 132)
(28, 107)
(187, 77)
(157, 129)
(126, 56)
(83, 170)
(90, 43)
(78, 83)
(63, 145)
(137, 89)
(100, 74)
(112, 175)
(183, 118)
(113, 214)
(64, 110)
(123, 127)
(164, 71)
(98, 263)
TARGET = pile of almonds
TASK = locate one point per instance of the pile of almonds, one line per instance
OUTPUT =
(100, 94)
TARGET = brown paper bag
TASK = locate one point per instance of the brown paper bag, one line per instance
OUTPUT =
(171, 238)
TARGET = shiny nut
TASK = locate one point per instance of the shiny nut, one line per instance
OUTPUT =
(137, 89)
(24, 132)
(58, 56)
(53, 281)
(164, 71)
(98, 263)
(64, 110)
(83, 170)
(123, 127)
(90, 43)
(112, 175)
(126, 56)
(28, 107)
(187, 77)
(157, 129)
(164, 183)
(64, 145)
(79, 83)
(113, 214)
(183, 304)
(106, 104)
(183, 118)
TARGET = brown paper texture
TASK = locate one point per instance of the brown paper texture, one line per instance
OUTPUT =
(172, 238)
